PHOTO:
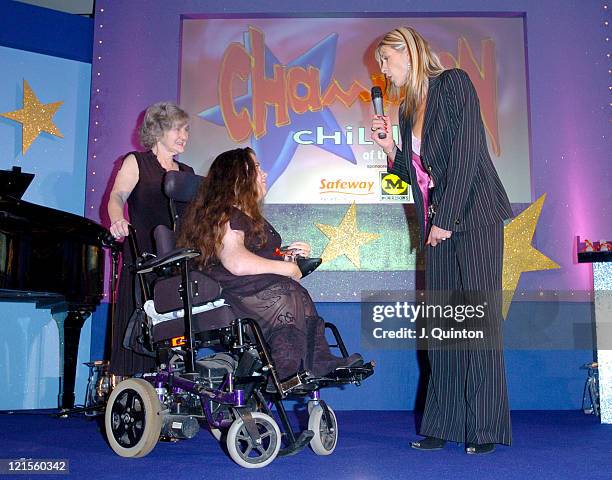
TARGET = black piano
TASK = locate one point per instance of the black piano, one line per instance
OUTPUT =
(55, 259)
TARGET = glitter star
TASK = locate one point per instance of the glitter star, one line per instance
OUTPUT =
(35, 117)
(345, 239)
(519, 255)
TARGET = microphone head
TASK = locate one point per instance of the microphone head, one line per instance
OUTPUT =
(376, 92)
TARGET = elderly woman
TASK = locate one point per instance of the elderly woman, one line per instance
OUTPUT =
(164, 133)
(239, 250)
(461, 205)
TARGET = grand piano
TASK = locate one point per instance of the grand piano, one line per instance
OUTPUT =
(55, 259)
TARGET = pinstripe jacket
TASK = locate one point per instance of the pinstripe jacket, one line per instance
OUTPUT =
(468, 192)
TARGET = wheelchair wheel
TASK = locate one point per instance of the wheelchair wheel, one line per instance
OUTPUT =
(132, 418)
(325, 437)
(244, 451)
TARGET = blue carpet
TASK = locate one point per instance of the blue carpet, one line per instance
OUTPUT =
(372, 445)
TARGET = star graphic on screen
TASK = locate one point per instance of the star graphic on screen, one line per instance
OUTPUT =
(519, 255)
(276, 149)
(346, 238)
(35, 117)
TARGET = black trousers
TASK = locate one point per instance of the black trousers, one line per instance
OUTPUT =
(467, 399)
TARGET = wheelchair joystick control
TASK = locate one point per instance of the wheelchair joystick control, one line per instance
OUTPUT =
(307, 265)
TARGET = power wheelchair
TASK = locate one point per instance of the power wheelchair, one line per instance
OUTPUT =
(232, 391)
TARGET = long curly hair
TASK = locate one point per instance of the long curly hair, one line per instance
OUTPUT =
(231, 183)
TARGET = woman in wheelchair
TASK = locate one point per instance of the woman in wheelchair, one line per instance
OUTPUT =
(240, 249)
(231, 391)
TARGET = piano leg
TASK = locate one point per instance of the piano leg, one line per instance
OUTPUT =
(69, 326)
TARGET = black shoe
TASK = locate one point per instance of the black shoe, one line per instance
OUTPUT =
(479, 449)
(354, 360)
(428, 443)
(326, 366)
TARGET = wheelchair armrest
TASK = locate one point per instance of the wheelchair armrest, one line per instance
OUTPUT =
(308, 265)
(174, 256)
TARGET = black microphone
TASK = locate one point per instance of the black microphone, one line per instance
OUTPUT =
(377, 101)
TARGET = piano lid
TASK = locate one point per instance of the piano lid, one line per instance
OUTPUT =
(19, 215)
(14, 183)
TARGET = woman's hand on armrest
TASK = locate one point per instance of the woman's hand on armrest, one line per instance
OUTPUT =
(239, 261)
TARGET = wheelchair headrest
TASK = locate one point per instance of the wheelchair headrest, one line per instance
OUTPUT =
(181, 186)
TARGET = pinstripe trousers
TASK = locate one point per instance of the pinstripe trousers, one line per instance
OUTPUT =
(467, 398)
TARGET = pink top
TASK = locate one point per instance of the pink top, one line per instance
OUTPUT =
(423, 181)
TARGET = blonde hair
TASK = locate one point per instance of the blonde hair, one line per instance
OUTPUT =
(424, 64)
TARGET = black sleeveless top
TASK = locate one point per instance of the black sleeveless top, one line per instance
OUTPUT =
(236, 287)
(147, 204)
(241, 221)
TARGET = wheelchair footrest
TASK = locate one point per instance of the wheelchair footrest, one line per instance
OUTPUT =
(298, 381)
(340, 376)
(298, 445)
(351, 374)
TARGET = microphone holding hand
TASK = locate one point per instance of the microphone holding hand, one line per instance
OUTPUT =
(379, 109)
(380, 125)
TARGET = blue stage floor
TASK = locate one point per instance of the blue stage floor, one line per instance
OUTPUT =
(372, 445)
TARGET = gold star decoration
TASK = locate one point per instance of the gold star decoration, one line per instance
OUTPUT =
(345, 239)
(519, 255)
(35, 117)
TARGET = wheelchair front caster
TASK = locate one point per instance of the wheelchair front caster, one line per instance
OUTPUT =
(244, 451)
(324, 427)
(216, 433)
(132, 418)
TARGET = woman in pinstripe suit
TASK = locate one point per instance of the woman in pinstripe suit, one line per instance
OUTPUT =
(463, 205)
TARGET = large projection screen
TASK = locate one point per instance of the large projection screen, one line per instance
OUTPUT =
(298, 91)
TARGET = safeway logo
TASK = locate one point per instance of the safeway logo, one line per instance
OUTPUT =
(346, 186)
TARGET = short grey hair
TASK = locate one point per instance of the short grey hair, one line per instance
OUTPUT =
(159, 118)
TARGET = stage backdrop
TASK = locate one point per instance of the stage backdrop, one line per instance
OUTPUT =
(45, 68)
(539, 67)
